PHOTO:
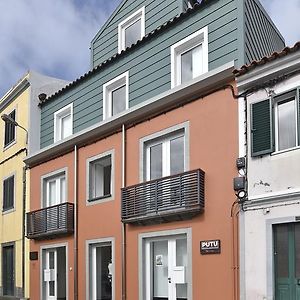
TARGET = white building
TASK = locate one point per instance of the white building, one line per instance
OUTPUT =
(270, 217)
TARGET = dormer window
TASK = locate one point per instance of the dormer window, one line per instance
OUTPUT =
(131, 29)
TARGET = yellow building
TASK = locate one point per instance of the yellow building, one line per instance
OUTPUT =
(19, 135)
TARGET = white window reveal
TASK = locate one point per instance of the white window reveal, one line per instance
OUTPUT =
(131, 29)
(165, 156)
(63, 123)
(100, 177)
(286, 122)
(55, 190)
(116, 96)
(189, 57)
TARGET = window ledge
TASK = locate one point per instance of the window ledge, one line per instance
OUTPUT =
(8, 211)
(101, 199)
(6, 147)
(285, 150)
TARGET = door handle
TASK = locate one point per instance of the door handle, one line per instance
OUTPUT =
(169, 279)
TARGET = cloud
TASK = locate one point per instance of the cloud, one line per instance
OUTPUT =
(285, 15)
(49, 36)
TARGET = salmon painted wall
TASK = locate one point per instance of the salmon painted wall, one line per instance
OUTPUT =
(213, 148)
(213, 144)
(66, 161)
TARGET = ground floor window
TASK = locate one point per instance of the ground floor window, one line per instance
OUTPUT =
(54, 277)
(100, 271)
(8, 270)
(287, 261)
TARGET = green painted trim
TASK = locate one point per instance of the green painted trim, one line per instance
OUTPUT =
(240, 4)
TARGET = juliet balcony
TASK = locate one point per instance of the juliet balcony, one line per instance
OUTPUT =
(50, 222)
(176, 197)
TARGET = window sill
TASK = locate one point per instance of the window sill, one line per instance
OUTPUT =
(101, 199)
(6, 147)
(8, 211)
(285, 150)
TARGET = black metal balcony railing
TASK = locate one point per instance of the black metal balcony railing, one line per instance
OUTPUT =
(51, 221)
(175, 197)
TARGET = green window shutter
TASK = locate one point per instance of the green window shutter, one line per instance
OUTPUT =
(261, 128)
(298, 111)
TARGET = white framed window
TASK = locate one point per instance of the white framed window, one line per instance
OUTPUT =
(165, 156)
(286, 123)
(63, 123)
(189, 57)
(116, 95)
(100, 177)
(54, 189)
(131, 29)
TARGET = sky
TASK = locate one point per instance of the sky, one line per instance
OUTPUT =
(53, 36)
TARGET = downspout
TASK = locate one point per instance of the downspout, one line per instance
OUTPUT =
(24, 229)
(123, 224)
(75, 224)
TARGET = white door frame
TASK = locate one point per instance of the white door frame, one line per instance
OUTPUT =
(49, 247)
(145, 264)
(48, 297)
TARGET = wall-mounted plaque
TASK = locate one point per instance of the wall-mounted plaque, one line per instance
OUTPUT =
(210, 247)
(159, 260)
(34, 255)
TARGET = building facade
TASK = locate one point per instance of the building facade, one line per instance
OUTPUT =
(131, 194)
(20, 104)
(269, 220)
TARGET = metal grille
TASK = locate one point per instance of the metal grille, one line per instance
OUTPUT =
(51, 221)
(174, 197)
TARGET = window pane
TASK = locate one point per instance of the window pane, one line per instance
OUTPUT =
(286, 125)
(156, 161)
(52, 193)
(133, 33)
(8, 193)
(51, 288)
(282, 251)
(66, 126)
(10, 130)
(100, 177)
(191, 64)
(118, 97)
(62, 190)
(177, 155)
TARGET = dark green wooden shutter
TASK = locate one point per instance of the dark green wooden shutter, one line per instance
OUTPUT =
(298, 114)
(261, 128)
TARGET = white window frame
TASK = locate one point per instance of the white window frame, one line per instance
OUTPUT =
(139, 14)
(276, 125)
(53, 176)
(166, 151)
(58, 115)
(108, 89)
(89, 161)
(199, 37)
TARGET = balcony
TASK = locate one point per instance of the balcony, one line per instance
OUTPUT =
(50, 222)
(176, 197)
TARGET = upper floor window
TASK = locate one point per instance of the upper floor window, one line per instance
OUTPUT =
(165, 153)
(63, 123)
(54, 189)
(115, 96)
(275, 124)
(189, 57)
(100, 177)
(10, 130)
(131, 29)
(8, 193)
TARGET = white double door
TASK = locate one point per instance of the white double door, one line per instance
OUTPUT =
(165, 269)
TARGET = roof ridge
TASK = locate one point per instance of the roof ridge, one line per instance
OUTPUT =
(158, 29)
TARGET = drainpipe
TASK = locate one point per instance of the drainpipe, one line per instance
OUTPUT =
(23, 230)
(123, 224)
(75, 224)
